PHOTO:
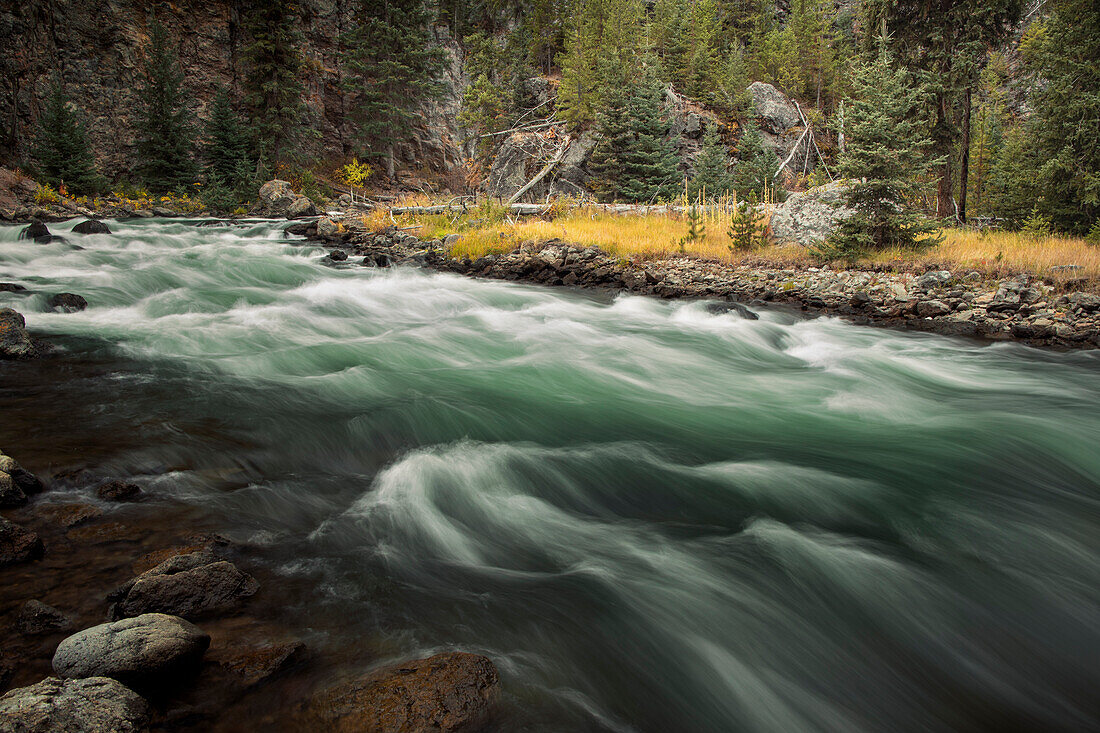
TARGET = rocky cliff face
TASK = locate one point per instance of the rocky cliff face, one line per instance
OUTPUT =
(98, 48)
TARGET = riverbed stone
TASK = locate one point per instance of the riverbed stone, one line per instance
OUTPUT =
(119, 491)
(15, 342)
(145, 652)
(90, 705)
(37, 618)
(17, 544)
(91, 226)
(10, 494)
(932, 308)
(449, 692)
(67, 302)
(35, 231)
(192, 586)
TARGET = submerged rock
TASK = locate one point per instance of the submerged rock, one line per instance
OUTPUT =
(720, 308)
(15, 342)
(91, 226)
(92, 705)
(17, 544)
(191, 586)
(35, 618)
(145, 652)
(67, 302)
(119, 491)
(449, 692)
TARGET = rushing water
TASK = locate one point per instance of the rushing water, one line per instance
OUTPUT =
(651, 517)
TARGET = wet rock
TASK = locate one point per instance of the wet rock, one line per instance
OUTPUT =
(163, 212)
(68, 515)
(255, 665)
(191, 586)
(301, 228)
(326, 227)
(932, 308)
(12, 288)
(17, 544)
(35, 231)
(27, 482)
(809, 217)
(67, 302)
(10, 494)
(91, 705)
(91, 226)
(448, 692)
(338, 255)
(146, 652)
(859, 299)
(721, 308)
(15, 342)
(119, 491)
(37, 618)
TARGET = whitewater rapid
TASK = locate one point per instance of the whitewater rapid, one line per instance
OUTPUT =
(652, 517)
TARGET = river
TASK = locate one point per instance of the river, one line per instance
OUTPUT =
(651, 517)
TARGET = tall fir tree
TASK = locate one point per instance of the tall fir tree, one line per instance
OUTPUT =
(61, 152)
(227, 149)
(1067, 104)
(887, 149)
(946, 43)
(712, 177)
(634, 160)
(603, 44)
(754, 174)
(273, 80)
(393, 66)
(165, 137)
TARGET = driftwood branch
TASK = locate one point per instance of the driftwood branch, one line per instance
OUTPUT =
(530, 127)
(542, 174)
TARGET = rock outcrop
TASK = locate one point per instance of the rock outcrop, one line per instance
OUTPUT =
(809, 217)
(779, 122)
(146, 652)
(194, 585)
(90, 705)
(450, 693)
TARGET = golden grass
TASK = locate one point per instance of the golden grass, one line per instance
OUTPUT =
(657, 236)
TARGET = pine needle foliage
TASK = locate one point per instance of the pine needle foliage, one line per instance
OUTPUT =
(887, 149)
(61, 152)
(227, 150)
(165, 136)
(273, 81)
(712, 177)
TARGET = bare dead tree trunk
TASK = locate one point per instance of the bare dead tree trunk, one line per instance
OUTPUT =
(964, 168)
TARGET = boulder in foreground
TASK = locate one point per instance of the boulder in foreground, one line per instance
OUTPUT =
(452, 693)
(15, 342)
(809, 217)
(143, 652)
(92, 705)
(194, 585)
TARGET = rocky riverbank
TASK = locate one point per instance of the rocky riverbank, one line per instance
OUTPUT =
(955, 303)
(115, 619)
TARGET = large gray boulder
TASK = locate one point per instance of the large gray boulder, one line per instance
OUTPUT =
(523, 154)
(143, 652)
(279, 199)
(193, 586)
(775, 113)
(15, 342)
(91, 705)
(809, 217)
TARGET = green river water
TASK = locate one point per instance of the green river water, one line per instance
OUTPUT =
(651, 517)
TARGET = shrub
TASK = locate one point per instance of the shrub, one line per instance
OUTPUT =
(746, 230)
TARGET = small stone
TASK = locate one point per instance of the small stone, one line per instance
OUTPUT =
(192, 586)
(17, 544)
(119, 491)
(37, 618)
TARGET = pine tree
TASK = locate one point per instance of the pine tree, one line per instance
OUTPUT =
(165, 138)
(273, 81)
(61, 152)
(393, 64)
(887, 147)
(602, 47)
(756, 166)
(1014, 185)
(1067, 103)
(228, 160)
(712, 176)
(634, 160)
